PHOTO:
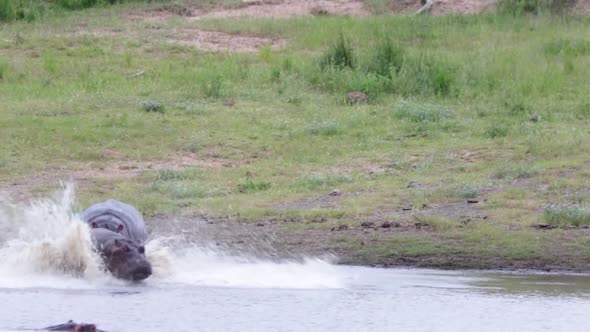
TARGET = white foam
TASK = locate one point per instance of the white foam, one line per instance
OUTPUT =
(45, 244)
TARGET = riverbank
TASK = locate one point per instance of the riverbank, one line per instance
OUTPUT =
(444, 141)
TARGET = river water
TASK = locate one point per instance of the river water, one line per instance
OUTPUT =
(197, 289)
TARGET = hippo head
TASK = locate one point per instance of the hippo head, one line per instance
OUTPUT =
(110, 224)
(126, 260)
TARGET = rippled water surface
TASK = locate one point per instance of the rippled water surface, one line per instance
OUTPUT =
(48, 275)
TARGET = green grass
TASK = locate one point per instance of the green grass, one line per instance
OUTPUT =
(567, 215)
(450, 104)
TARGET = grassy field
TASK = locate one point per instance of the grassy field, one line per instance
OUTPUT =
(487, 116)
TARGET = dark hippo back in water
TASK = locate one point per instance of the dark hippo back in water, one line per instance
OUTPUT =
(112, 214)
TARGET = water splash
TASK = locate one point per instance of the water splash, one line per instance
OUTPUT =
(44, 243)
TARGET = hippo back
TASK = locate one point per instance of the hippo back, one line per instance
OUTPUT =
(125, 214)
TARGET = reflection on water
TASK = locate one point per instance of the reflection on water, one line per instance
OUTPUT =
(541, 284)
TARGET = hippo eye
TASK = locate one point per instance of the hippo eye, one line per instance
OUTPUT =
(141, 249)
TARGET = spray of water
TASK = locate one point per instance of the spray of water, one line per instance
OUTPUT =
(44, 243)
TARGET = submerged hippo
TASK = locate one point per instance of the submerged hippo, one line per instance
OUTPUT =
(124, 258)
(118, 217)
(74, 327)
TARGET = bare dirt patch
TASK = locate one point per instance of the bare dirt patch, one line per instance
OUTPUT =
(445, 7)
(289, 8)
(216, 41)
(84, 174)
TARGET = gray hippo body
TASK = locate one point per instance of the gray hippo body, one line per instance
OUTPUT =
(117, 217)
(124, 258)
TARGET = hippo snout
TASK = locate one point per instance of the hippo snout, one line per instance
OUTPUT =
(141, 271)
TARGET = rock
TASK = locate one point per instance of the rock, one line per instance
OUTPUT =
(357, 97)
(413, 184)
(260, 224)
(544, 226)
(336, 192)
(339, 228)
(535, 118)
(386, 224)
(111, 154)
(472, 201)
(367, 224)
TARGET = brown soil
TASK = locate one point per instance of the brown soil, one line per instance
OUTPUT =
(84, 174)
(273, 239)
(216, 41)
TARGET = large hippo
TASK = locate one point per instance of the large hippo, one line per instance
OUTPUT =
(124, 258)
(118, 217)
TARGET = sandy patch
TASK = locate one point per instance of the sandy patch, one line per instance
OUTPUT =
(445, 7)
(289, 8)
(216, 41)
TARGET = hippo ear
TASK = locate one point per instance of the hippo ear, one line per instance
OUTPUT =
(120, 228)
(93, 225)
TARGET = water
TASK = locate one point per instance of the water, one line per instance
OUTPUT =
(48, 275)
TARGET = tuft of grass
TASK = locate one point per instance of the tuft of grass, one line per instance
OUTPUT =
(567, 215)
(387, 59)
(3, 67)
(152, 106)
(421, 112)
(515, 172)
(425, 75)
(339, 56)
(316, 181)
(249, 186)
(212, 86)
(497, 130)
(174, 175)
(324, 128)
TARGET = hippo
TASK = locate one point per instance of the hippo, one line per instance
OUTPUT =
(73, 327)
(124, 258)
(118, 217)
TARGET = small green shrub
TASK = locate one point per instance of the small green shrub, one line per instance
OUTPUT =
(387, 59)
(7, 10)
(567, 215)
(424, 75)
(211, 87)
(339, 56)
(497, 130)
(252, 186)
(578, 47)
(3, 67)
(421, 112)
(152, 106)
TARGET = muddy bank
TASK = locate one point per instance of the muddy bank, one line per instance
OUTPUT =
(364, 246)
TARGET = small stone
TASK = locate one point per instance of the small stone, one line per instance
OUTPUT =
(386, 224)
(413, 184)
(472, 201)
(356, 97)
(535, 118)
(260, 224)
(336, 192)
(367, 224)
